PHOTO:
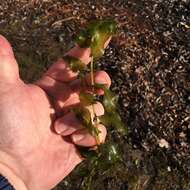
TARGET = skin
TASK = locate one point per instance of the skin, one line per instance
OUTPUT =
(38, 132)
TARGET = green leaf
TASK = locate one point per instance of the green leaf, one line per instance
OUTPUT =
(118, 124)
(114, 120)
(112, 153)
(106, 119)
(74, 63)
(95, 35)
(86, 99)
(87, 153)
(100, 86)
(109, 154)
(109, 101)
(111, 117)
(83, 39)
(83, 114)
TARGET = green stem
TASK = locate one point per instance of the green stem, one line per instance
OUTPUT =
(92, 74)
(93, 91)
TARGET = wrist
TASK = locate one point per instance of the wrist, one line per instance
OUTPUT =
(11, 171)
(13, 178)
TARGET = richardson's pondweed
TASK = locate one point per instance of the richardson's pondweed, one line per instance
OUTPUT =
(94, 36)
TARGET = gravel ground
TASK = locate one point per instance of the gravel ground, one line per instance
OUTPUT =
(149, 63)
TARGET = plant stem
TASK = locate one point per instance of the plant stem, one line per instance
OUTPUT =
(92, 73)
(93, 91)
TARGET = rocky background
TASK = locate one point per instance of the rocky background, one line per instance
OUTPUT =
(149, 63)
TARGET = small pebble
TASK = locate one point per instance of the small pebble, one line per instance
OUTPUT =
(163, 143)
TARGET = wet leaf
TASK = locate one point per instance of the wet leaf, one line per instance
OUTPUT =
(91, 155)
(74, 63)
(110, 153)
(114, 120)
(100, 86)
(118, 124)
(105, 119)
(109, 101)
(95, 35)
(83, 114)
(107, 156)
(83, 39)
(111, 117)
(86, 99)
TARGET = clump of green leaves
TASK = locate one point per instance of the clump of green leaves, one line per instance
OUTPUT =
(100, 161)
(94, 36)
(111, 116)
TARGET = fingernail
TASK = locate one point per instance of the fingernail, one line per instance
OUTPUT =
(67, 124)
(78, 137)
(99, 109)
(100, 81)
(60, 129)
(102, 77)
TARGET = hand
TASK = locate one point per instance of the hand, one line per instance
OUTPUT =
(38, 133)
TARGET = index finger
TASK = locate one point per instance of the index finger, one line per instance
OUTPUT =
(61, 71)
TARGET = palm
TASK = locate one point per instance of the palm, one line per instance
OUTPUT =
(28, 108)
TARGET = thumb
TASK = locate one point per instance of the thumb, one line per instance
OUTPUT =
(8, 66)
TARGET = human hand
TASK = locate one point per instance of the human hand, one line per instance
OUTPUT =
(38, 133)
